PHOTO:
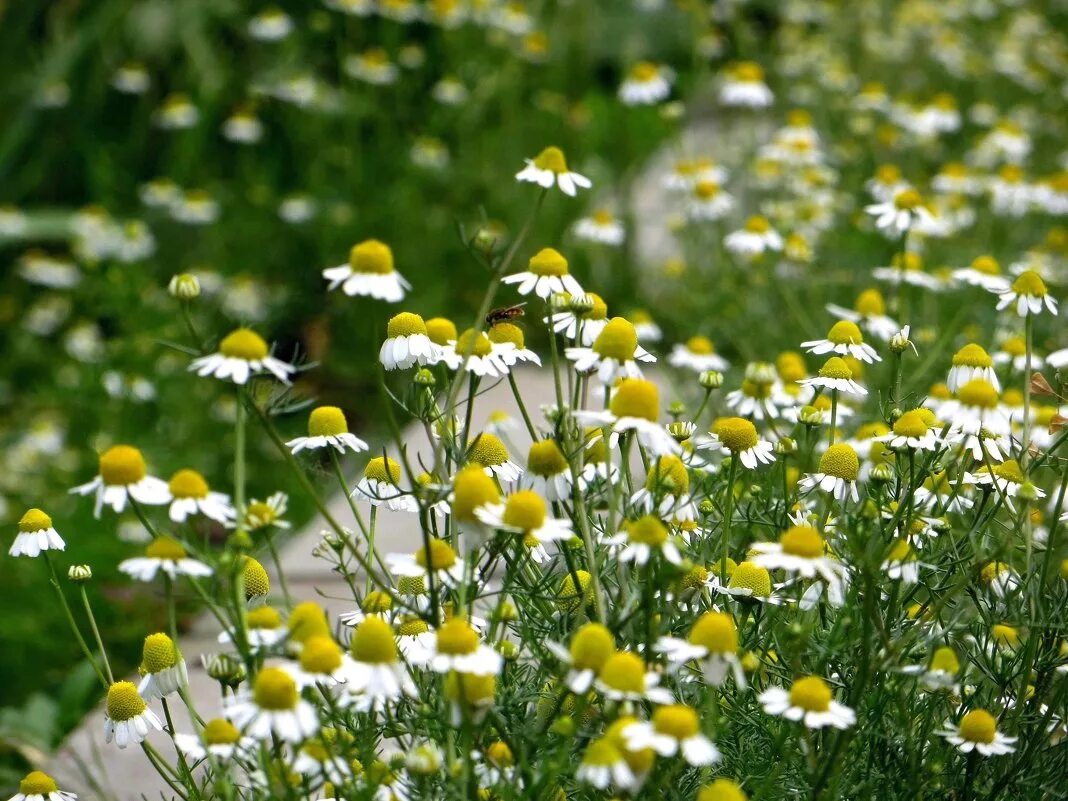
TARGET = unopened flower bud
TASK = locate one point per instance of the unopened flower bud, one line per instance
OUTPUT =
(882, 473)
(810, 416)
(900, 341)
(761, 373)
(681, 430)
(425, 378)
(224, 668)
(1027, 492)
(706, 507)
(581, 304)
(508, 649)
(677, 409)
(506, 612)
(485, 240)
(184, 286)
(710, 379)
(895, 414)
(784, 446)
(79, 574)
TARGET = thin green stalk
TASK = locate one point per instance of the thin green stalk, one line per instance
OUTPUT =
(73, 625)
(96, 633)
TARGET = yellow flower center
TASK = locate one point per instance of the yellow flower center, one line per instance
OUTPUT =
(1009, 470)
(405, 324)
(1006, 635)
(644, 71)
(38, 783)
(441, 330)
(978, 393)
(748, 72)
(1014, 346)
(803, 541)
(264, 617)
(524, 510)
(668, 474)
(700, 345)
(625, 672)
(972, 355)
(159, 653)
(591, 647)
(34, 520)
(255, 578)
(836, 368)
(551, 159)
(220, 731)
(121, 465)
(377, 602)
(986, 265)
(845, 332)
(413, 627)
(1029, 283)
(472, 488)
(124, 702)
(165, 548)
(321, 655)
(243, 344)
(371, 256)
(870, 303)
(911, 424)
(908, 200)
(327, 421)
(790, 366)
(706, 190)
(188, 484)
(274, 690)
(470, 688)
(499, 754)
(748, 576)
(383, 469)
(456, 637)
(546, 459)
(472, 343)
(840, 461)
(901, 552)
(487, 450)
(978, 726)
(757, 225)
(716, 632)
(945, 660)
(647, 530)
(676, 720)
(722, 790)
(568, 596)
(636, 397)
(373, 642)
(306, 621)
(603, 217)
(502, 333)
(698, 575)
(888, 174)
(442, 556)
(618, 340)
(811, 694)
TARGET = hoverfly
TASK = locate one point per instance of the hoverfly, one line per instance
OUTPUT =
(507, 313)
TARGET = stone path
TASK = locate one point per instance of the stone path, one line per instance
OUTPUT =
(96, 771)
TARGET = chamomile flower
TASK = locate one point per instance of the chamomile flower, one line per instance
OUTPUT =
(754, 239)
(321, 663)
(525, 513)
(263, 628)
(844, 339)
(123, 477)
(739, 437)
(623, 677)
(838, 471)
(912, 431)
(372, 66)
(971, 363)
(177, 113)
(407, 343)
(375, 673)
(162, 667)
(131, 79)
(549, 168)
(242, 353)
(901, 563)
(381, 485)
(978, 731)
(634, 406)
(243, 127)
(906, 211)
(36, 535)
(478, 354)
(369, 272)
(327, 428)
(747, 581)
(270, 25)
(760, 394)
(940, 673)
(546, 275)
(1027, 295)
(440, 559)
(549, 471)
(489, 452)
(713, 644)
(591, 646)
(272, 707)
(267, 513)
(869, 312)
(39, 786)
(975, 407)
(743, 86)
(809, 700)
(613, 355)
(803, 551)
(457, 648)
(983, 272)
(646, 84)
(1013, 352)
(709, 202)
(127, 718)
(165, 555)
(509, 344)
(640, 538)
(1000, 578)
(583, 320)
(666, 490)
(835, 374)
(601, 227)
(674, 729)
(603, 766)
(645, 326)
(697, 354)
(191, 495)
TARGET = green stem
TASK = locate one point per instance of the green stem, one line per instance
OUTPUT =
(96, 634)
(73, 625)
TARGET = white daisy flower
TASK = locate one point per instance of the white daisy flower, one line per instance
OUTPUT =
(844, 339)
(673, 729)
(836, 375)
(509, 345)
(478, 354)
(164, 555)
(263, 629)
(131, 78)
(756, 238)
(591, 646)
(809, 700)
(940, 673)
(321, 663)
(490, 453)
(1013, 352)
(976, 407)
(745, 581)
(901, 563)
(978, 731)
(908, 268)
(1027, 295)
(39, 786)
(697, 354)
(971, 363)
(267, 513)
(546, 275)
(640, 538)
(457, 648)
(583, 320)
(713, 644)
(838, 471)
(407, 343)
(242, 353)
(372, 66)
(376, 676)
(744, 86)
(442, 560)
(270, 25)
(802, 551)
(176, 113)
(983, 272)
(614, 354)
(381, 485)
(123, 477)
(191, 495)
(127, 718)
(549, 168)
(623, 677)
(912, 430)
(243, 127)
(369, 272)
(36, 534)
(905, 212)
(646, 84)
(525, 513)
(549, 472)
(709, 202)
(601, 227)
(603, 766)
(634, 406)
(272, 707)
(327, 428)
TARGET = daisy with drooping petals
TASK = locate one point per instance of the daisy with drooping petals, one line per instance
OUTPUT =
(457, 648)
(191, 495)
(376, 675)
(162, 667)
(441, 559)
(603, 765)
(369, 272)
(546, 275)
(242, 353)
(666, 490)
(489, 452)
(744, 86)
(321, 663)
(646, 84)
(835, 374)
(809, 700)
(509, 345)
(36, 534)
(803, 551)
(549, 471)
(675, 728)
(845, 339)
(978, 731)
(713, 644)
(127, 718)
(640, 538)
(263, 628)
(746, 582)
(753, 240)
(697, 354)
(327, 428)
(39, 786)
(634, 406)
(838, 471)
(407, 343)
(478, 354)
(272, 707)
(613, 355)
(549, 168)
(525, 513)
(123, 477)
(590, 648)
(381, 485)
(623, 677)
(1027, 295)
(971, 363)
(164, 555)
(912, 431)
